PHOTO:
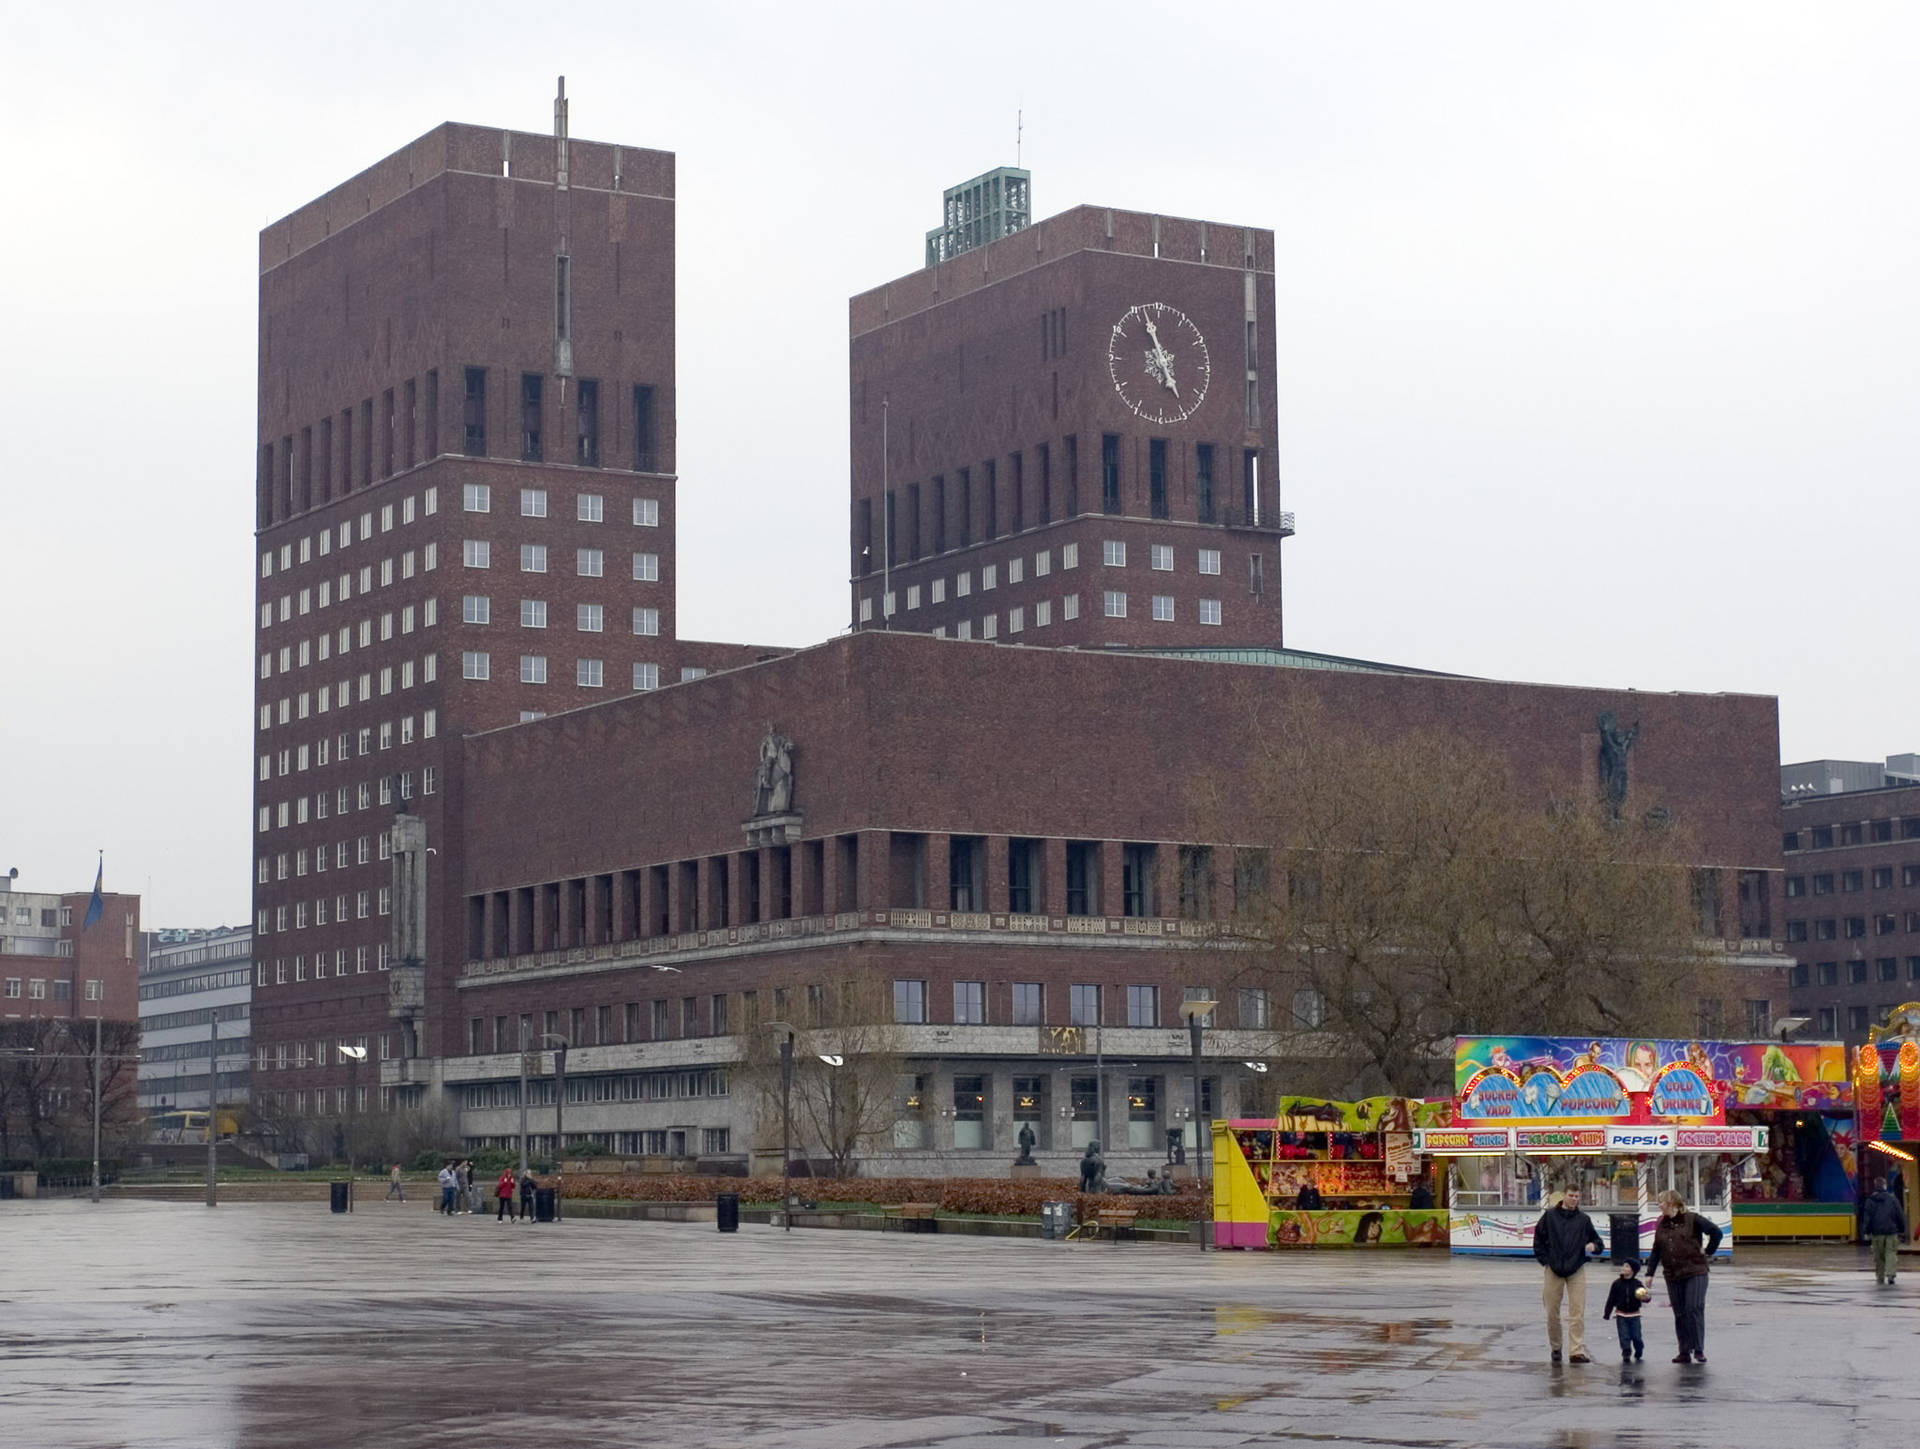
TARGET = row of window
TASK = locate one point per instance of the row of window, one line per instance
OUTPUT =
(36, 987)
(1826, 1019)
(365, 958)
(200, 1016)
(329, 591)
(1086, 1005)
(1881, 877)
(1827, 973)
(532, 431)
(302, 808)
(585, 1090)
(323, 647)
(198, 1048)
(50, 916)
(663, 1142)
(291, 708)
(429, 504)
(976, 495)
(1861, 832)
(295, 759)
(187, 985)
(587, 507)
(363, 902)
(587, 673)
(1851, 928)
(285, 1056)
(587, 618)
(588, 563)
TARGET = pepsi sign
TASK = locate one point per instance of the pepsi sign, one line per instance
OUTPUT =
(1639, 1139)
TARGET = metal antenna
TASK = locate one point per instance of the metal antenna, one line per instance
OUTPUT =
(1019, 127)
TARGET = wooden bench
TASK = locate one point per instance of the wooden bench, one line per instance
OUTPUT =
(1115, 1221)
(912, 1217)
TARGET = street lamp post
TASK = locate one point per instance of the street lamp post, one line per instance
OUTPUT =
(559, 1112)
(833, 1096)
(213, 1107)
(354, 1055)
(525, 1027)
(1196, 1013)
(94, 1196)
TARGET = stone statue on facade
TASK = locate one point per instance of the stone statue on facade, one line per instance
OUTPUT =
(1616, 743)
(773, 780)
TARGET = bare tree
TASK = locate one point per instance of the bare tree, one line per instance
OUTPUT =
(848, 1059)
(1402, 888)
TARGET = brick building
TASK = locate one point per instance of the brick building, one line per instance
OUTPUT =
(52, 964)
(1852, 892)
(634, 858)
(1093, 392)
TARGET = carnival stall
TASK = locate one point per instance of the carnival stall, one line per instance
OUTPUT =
(1327, 1174)
(1623, 1120)
(1886, 1094)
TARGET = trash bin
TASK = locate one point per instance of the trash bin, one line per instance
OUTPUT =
(340, 1190)
(1623, 1236)
(543, 1204)
(726, 1211)
(1056, 1219)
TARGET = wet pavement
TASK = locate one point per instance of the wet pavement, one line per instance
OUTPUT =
(134, 1323)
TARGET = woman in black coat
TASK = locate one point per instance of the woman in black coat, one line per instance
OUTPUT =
(1683, 1242)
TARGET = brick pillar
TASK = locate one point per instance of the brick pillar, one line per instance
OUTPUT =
(769, 883)
(679, 908)
(517, 923)
(830, 875)
(592, 913)
(1224, 904)
(1111, 899)
(542, 920)
(871, 891)
(997, 877)
(625, 887)
(647, 902)
(1053, 873)
(489, 922)
(739, 862)
(939, 891)
(704, 896)
(1166, 879)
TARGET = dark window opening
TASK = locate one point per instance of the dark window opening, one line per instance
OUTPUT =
(863, 536)
(939, 515)
(409, 420)
(1157, 477)
(586, 416)
(1023, 875)
(1016, 483)
(530, 399)
(1043, 455)
(386, 441)
(1203, 482)
(643, 459)
(990, 494)
(913, 521)
(1109, 472)
(1083, 877)
(966, 506)
(1136, 880)
(474, 443)
(1073, 477)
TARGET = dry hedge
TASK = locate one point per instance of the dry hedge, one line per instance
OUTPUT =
(1000, 1197)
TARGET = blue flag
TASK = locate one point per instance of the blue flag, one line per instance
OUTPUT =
(96, 907)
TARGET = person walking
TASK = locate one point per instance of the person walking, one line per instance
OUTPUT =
(503, 1190)
(526, 1197)
(449, 1184)
(394, 1189)
(1885, 1221)
(1560, 1242)
(1623, 1307)
(1682, 1244)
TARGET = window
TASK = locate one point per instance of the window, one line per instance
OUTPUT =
(476, 498)
(474, 438)
(1796, 886)
(1887, 968)
(969, 1113)
(1823, 885)
(1029, 999)
(1070, 607)
(1113, 553)
(1161, 555)
(589, 563)
(1253, 1008)
(588, 618)
(475, 553)
(533, 669)
(533, 613)
(1043, 613)
(590, 507)
(1827, 973)
(475, 609)
(587, 673)
(1309, 1009)
(910, 1002)
(1856, 928)
(1083, 1005)
(646, 567)
(1203, 481)
(1850, 834)
(1083, 878)
(1110, 473)
(970, 1003)
(1114, 604)
(586, 417)
(1827, 930)
(1852, 880)
(1016, 620)
(1823, 837)
(1824, 1021)
(533, 558)
(1882, 877)
(473, 665)
(1209, 560)
(1143, 1006)
(1209, 611)
(1880, 831)
(646, 621)
(646, 513)
(646, 676)
(1796, 977)
(1163, 607)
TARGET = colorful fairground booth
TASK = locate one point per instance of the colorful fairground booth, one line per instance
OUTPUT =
(1886, 1093)
(1325, 1174)
(1753, 1135)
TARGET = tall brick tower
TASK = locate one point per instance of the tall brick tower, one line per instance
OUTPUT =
(1067, 436)
(465, 514)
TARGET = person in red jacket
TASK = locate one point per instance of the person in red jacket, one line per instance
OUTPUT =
(504, 1191)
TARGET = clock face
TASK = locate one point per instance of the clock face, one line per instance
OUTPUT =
(1159, 362)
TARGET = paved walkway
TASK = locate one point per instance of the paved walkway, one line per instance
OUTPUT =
(271, 1325)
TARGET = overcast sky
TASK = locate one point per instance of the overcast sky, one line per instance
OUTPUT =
(1596, 329)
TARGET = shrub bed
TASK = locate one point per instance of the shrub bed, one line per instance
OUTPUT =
(998, 1197)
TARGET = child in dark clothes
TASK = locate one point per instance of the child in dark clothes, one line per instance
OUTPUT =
(1623, 1307)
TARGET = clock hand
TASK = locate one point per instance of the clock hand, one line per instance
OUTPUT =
(1161, 357)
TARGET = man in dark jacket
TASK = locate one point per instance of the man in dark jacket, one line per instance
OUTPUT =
(1560, 1242)
(1886, 1224)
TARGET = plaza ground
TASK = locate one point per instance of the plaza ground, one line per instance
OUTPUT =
(135, 1323)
